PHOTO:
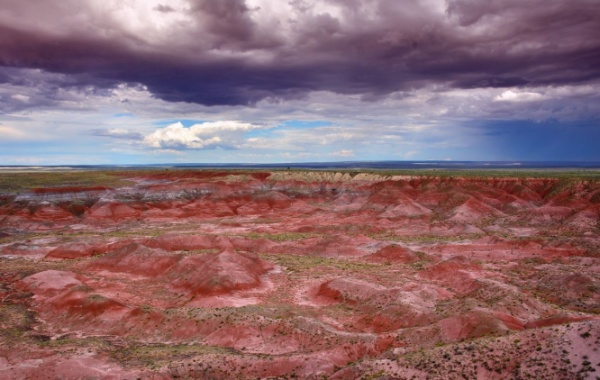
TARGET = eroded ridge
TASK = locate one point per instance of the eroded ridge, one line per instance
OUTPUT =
(220, 275)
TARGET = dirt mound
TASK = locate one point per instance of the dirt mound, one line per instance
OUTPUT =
(472, 211)
(341, 246)
(379, 307)
(458, 274)
(269, 202)
(574, 291)
(208, 208)
(473, 324)
(218, 274)
(275, 200)
(52, 213)
(337, 245)
(346, 202)
(88, 305)
(432, 199)
(111, 211)
(61, 295)
(405, 210)
(42, 365)
(175, 242)
(393, 253)
(388, 198)
(51, 282)
(588, 218)
(449, 267)
(135, 259)
(80, 250)
(259, 245)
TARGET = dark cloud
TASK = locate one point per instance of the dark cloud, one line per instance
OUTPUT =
(164, 8)
(230, 53)
(227, 20)
(23, 89)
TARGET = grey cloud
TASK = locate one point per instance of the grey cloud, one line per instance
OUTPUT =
(230, 53)
(117, 133)
(23, 89)
(226, 18)
(164, 8)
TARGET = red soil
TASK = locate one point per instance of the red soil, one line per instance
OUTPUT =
(136, 259)
(474, 324)
(393, 253)
(53, 214)
(50, 282)
(560, 319)
(80, 250)
(458, 274)
(219, 274)
(473, 210)
(173, 242)
(113, 211)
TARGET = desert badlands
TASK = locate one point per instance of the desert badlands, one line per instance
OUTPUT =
(200, 274)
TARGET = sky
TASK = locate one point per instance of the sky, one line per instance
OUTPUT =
(94, 82)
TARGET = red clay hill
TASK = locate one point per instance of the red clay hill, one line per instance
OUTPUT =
(310, 275)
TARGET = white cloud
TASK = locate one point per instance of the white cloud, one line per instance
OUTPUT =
(117, 133)
(11, 133)
(343, 153)
(522, 96)
(209, 135)
(21, 98)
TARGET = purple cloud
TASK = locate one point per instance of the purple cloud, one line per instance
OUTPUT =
(232, 53)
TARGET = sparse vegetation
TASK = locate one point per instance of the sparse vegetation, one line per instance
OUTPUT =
(278, 237)
(277, 276)
(11, 182)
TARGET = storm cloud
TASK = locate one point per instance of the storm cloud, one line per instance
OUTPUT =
(235, 52)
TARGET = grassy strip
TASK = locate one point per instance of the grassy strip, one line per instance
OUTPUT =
(425, 238)
(284, 236)
(154, 356)
(15, 182)
(576, 174)
(25, 267)
(301, 263)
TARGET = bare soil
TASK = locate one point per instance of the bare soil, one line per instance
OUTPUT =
(311, 275)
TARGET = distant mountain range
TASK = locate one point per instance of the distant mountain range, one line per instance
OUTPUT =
(348, 165)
